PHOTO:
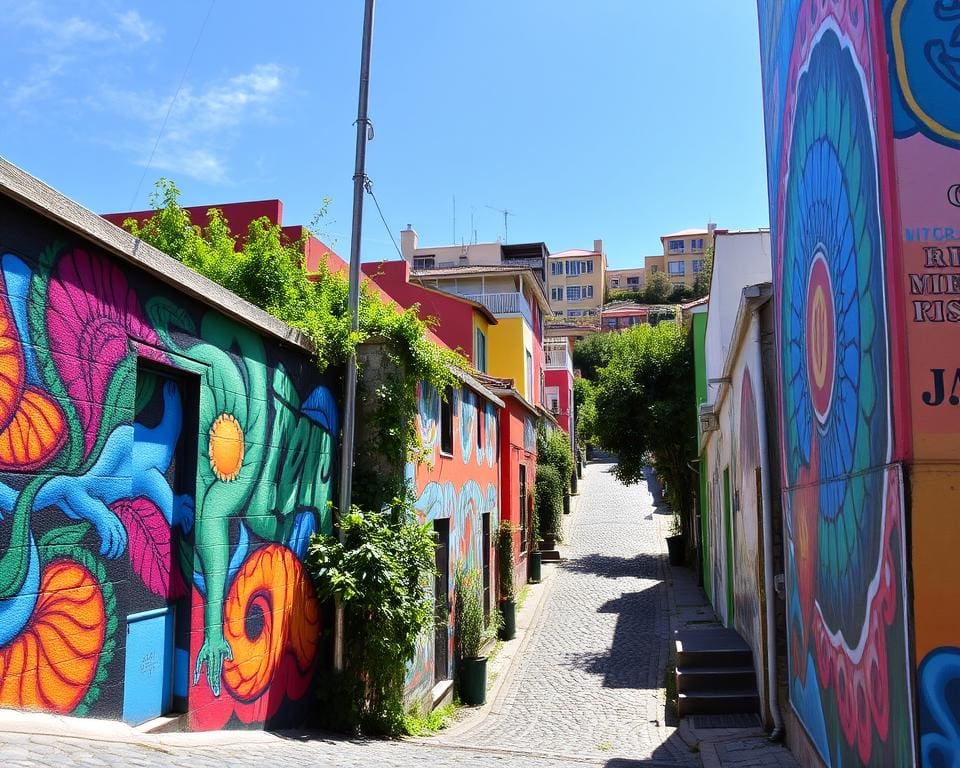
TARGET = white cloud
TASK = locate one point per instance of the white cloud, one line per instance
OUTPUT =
(132, 25)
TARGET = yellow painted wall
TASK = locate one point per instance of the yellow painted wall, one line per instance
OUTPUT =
(480, 322)
(506, 343)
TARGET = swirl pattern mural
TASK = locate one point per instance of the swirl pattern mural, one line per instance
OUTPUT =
(156, 457)
(843, 501)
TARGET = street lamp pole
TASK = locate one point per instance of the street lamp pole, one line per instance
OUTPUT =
(364, 134)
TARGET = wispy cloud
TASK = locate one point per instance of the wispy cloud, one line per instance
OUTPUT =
(202, 121)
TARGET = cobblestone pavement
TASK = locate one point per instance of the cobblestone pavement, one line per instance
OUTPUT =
(591, 683)
(587, 687)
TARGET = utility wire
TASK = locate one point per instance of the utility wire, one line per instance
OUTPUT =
(166, 117)
(368, 185)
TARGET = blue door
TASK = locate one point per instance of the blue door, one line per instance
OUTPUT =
(148, 674)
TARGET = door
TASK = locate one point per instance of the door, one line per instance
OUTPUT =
(486, 567)
(163, 479)
(441, 598)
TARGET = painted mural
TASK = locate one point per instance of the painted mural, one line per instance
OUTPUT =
(462, 488)
(160, 476)
(747, 586)
(923, 51)
(850, 675)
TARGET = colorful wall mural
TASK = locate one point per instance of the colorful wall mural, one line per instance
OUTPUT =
(161, 471)
(923, 54)
(829, 187)
(462, 488)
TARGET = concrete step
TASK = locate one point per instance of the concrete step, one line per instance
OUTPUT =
(716, 678)
(711, 647)
(709, 702)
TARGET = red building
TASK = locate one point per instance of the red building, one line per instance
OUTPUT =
(558, 392)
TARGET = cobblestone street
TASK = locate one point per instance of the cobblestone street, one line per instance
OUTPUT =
(586, 686)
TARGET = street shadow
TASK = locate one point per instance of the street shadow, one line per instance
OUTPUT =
(640, 566)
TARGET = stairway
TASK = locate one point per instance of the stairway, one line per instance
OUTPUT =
(715, 673)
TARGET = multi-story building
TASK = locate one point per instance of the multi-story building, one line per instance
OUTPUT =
(531, 255)
(632, 279)
(576, 280)
(683, 256)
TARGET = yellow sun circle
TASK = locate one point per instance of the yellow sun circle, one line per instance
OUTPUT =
(226, 447)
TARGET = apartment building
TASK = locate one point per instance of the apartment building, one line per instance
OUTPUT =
(633, 279)
(576, 280)
(683, 254)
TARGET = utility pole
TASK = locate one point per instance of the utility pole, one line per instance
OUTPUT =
(364, 134)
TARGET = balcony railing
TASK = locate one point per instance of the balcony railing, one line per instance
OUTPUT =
(504, 304)
(557, 358)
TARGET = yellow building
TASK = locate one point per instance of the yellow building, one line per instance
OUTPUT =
(633, 279)
(683, 254)
(576, 280)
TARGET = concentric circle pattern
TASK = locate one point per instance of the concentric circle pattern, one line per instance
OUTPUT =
(834, 342)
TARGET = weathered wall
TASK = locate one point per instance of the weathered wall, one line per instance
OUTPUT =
(923, 54)
(161, 471)
(830, 192)
(461, 487)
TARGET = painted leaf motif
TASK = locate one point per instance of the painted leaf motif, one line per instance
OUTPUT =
(151, 553)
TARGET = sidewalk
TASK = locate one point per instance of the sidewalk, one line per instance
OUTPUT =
(719, 747)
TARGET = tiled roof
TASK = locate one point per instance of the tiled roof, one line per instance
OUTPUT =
(685, 233)
(573, 252)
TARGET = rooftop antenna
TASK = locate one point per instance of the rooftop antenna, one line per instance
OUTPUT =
(505, 213)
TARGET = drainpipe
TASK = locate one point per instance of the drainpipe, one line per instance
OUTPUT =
(769, 592)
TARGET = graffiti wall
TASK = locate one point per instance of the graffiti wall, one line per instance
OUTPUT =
(161, 471)
(829, 186)
(923, 52)
(461, 487)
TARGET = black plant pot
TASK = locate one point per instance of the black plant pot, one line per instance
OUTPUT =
(566, 503)
(676, 548)
(508, 610)
(473, 681)
(534, 567)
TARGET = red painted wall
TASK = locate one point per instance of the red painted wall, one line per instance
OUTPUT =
(564, 382)
(514, 451)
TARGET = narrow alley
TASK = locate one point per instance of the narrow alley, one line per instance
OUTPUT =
(586, 686)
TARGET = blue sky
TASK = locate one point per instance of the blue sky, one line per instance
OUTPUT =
(614, 119)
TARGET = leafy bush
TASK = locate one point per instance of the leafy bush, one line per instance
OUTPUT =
(549, 501)
(554, 449)
(470, 630)
(378, 575)
(506, 565)
(585, 407)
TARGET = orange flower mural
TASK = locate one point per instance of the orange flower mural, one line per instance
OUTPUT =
(53, 661)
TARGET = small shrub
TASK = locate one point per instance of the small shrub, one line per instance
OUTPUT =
(506, 565)
(470, 630)
(549, 501)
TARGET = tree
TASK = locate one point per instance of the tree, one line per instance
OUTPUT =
(701, 284)
(659, 289)
(645, 409)
(592, 353)
(585, 409)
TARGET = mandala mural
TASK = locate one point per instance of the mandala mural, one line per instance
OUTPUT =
(843, 506)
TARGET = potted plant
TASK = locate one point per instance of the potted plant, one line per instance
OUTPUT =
(549, 490)
(506, 567)
(471, 634)
(677, 541)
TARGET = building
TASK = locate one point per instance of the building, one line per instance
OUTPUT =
(529, 255)
(683, 255)
(619, 315)
(558, 363)
(863, 148)
(576, 281)
(149, 413)
(633, 279)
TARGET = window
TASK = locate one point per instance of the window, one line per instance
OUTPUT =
(611, 322)
(424, 262)
(696, 244)
(697, 265)
(615, 282)
(587, 292)
(633, 281)
(676, 267)
(654, 268)
(572, 268)
(446, 422)
(529, 392)
(573, 293)
(553, 399)
(480, 420)
(480, 351)
(574, 312)
(556, 268)
(556, 294)
(522, 503)
(675, 246)
(586, 266)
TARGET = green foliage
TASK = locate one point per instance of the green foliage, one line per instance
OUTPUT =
(430, 723)
(637, 297)
(645, 408)
(506, 563)
(549, 501)
(701, 284)
(658, 289)
(585, 406)
(592, 353)
(553, 448)
(377, 574)
(470, 630)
